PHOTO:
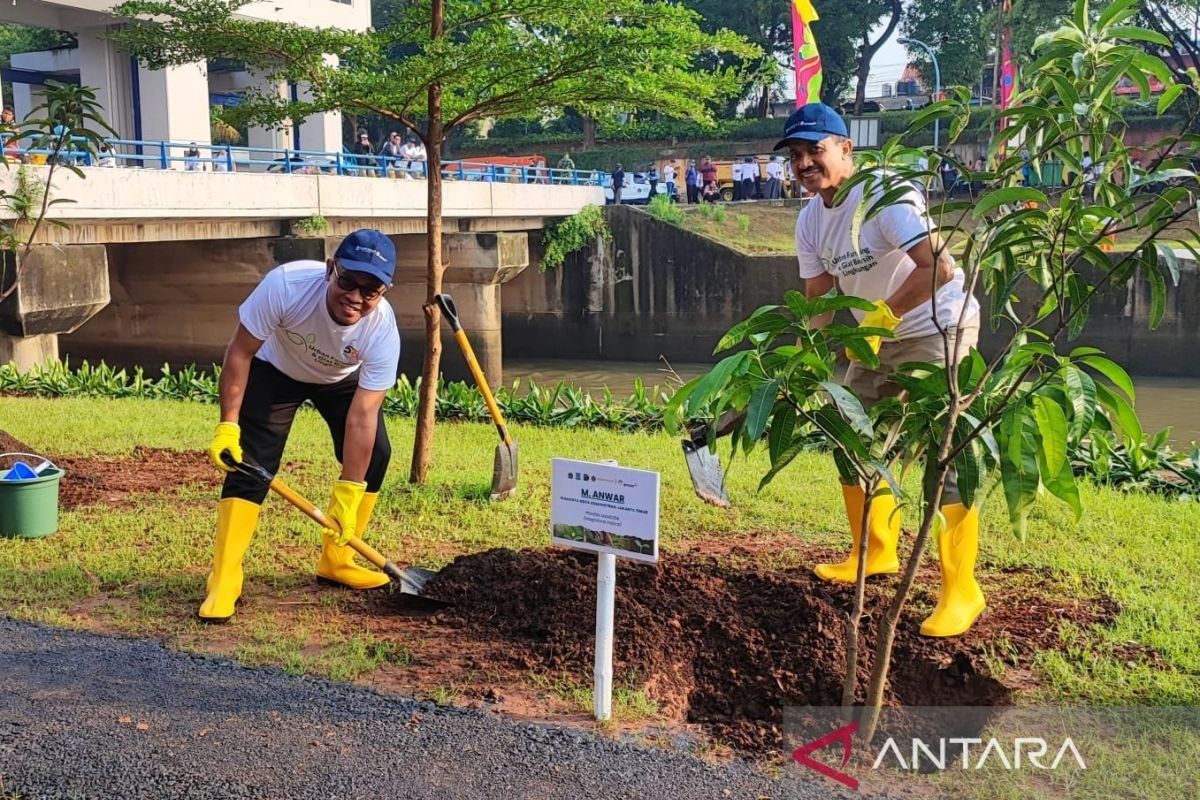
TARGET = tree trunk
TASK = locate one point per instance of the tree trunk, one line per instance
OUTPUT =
(589, 132)
(868, 52)
(427, 405)
(854, 618)
(764, 102)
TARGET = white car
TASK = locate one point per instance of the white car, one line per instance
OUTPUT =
(636, 191)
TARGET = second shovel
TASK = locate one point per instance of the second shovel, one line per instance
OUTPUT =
(504, 468)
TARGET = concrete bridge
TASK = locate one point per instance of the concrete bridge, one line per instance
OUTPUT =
(150, 265)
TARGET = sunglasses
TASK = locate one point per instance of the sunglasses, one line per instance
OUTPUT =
(368, 292)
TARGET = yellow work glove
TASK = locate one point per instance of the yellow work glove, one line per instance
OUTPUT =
(880, 317)
(343, 509)
(227, 436)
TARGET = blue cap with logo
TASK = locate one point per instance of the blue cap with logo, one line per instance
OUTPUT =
(812, 123)
(368, 251)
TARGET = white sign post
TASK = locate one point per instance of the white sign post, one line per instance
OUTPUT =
(611, 511)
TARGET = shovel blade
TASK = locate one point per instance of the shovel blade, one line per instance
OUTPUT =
(504, 471)
(708, 479)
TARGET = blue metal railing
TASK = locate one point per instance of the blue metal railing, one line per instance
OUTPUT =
(237, 158)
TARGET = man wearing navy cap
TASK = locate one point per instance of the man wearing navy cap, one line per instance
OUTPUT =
(317, 332)
(896, 261)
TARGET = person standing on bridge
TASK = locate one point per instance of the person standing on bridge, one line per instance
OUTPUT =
(316, 332)
(894, 260)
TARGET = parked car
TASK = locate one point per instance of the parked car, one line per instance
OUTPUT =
(636, 191)
(868, 107)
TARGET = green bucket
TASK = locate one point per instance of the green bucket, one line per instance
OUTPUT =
(29, 507)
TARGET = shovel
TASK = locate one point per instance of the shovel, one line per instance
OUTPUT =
(704, 468)
(410, 580)
(504, 468)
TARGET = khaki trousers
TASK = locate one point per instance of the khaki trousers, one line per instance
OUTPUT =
(872, 385)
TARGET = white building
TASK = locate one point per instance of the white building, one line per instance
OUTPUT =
(170, 104)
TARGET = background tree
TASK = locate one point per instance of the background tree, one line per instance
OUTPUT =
(954, 29)
(441, 64)
(766, 23)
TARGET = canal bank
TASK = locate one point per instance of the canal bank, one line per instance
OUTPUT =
(657, 291)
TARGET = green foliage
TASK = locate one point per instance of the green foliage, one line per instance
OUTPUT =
(555, 406)
(661, 208)
(573, 234)
(743, 222)
(1017, 418)
(952, 28)
(494, 60)
(316, 225)
(1145, 464)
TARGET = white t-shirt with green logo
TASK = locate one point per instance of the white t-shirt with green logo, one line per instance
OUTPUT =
(880, 264)
(287, 311)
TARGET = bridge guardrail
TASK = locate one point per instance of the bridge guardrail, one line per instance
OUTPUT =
(236, 158)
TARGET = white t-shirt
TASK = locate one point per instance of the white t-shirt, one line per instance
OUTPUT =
(287, 311)
(668, 174)
(774, 170)
(881, 264)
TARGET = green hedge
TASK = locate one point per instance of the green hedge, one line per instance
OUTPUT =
(556, 406)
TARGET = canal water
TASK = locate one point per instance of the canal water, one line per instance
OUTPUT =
(1161, 402)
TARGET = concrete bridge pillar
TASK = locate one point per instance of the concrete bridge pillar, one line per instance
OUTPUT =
(57, 289)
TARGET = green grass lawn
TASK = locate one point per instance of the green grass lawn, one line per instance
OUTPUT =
(148, 562)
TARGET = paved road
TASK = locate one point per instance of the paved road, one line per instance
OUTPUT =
(84, 716)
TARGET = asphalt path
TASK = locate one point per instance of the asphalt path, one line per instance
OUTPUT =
(86, 716)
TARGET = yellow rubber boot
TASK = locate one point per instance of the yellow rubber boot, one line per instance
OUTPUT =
(236, 521)
(960, 600)
(337, 563)
(883, 532)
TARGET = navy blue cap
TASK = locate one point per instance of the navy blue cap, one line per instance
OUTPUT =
(812, 123)
(368, 251)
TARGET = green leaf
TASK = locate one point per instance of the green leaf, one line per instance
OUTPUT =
(1133, 33)
(1063, 487)
(839, 433)
(851, 408)
(759, 409)
(1167, 253)
(1168, 97)
(968, 464)
(1019, 469)
(713, 381)
(1052, 430)
(1111, 370)
(1081, 392)
(786, 457)
(863, 352)
(783, 424)
(1120, 413)
(1119, 10)
(1010, 194)
(1158, 296)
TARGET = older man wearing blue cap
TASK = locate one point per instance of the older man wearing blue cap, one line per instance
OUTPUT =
(319, 332)
(897, 262)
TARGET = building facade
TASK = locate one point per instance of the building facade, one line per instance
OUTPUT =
(172, 104)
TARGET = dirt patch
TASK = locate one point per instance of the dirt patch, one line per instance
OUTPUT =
(728, 648)
(112, 480)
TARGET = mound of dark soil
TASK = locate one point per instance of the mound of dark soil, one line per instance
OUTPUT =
(730, 648)
(110, 480)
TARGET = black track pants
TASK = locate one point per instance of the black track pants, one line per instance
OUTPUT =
(268, 409)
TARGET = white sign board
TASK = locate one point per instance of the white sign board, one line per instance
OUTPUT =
(603, 508)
